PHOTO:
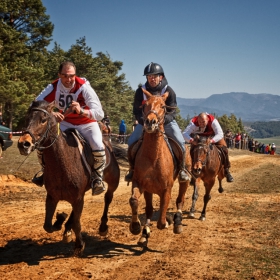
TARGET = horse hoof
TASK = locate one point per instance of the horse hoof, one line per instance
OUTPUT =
(135, 227)
(103, 233)
(202, 218)
(78, 252)
(191, 215)
(169, 219)
(221, 190)
(67, 237)
(48, 229)
(177, 229)
(143, 241)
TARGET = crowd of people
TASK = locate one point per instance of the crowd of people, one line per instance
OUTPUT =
(245, 142)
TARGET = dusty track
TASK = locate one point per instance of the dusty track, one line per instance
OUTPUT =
(241, 227)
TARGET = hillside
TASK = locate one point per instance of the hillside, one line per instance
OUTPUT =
(248, 107)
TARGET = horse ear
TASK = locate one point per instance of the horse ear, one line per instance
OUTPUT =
(146, 93)
(51, 106)
(165, 95)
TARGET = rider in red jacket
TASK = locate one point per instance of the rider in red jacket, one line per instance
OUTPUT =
(207, 125)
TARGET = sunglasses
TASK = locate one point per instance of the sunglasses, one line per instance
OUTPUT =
(71, 76)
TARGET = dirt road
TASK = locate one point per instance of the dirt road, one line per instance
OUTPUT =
(238, 240)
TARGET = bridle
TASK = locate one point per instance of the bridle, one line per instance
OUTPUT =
(39, 143)
(160, 118)
(205, 148)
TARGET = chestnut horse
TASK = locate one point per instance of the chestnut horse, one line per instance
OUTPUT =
(155, 171)
(206, 166)
(66, 173)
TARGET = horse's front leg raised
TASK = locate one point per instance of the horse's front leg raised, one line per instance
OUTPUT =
(135, 225)
(50, 209)
(163, 222)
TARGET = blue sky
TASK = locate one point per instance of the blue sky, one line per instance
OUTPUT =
(205, 47)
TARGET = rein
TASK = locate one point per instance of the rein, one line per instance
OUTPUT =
(38, 144)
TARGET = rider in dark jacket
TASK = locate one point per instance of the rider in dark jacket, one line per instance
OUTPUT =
(157, 85)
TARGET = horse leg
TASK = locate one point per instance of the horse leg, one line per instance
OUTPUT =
(220, 178)
(162, 222)
(67, 234)
(178, 227)
(112, 178)
(135, 225)
(194, 199)
(143, 241)
(206, 199)
(50, 209)
(76, 226)
(103, 228)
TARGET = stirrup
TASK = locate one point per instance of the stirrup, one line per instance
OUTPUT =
(38, 180)
(97, 187)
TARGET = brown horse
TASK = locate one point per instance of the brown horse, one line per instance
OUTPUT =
(206, 166)
(66, 173)
(155, 171)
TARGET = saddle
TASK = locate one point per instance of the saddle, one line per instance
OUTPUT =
(175, 150)
(85, 149)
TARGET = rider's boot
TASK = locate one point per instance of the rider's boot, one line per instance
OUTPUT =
(39, 180)
(183, 176)
(227, 166)
(97, 184)
(228, 175)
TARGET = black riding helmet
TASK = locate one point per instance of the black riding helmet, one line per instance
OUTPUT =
(152, 69)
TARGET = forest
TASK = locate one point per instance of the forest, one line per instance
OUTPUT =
(265, 129)
(27, 67)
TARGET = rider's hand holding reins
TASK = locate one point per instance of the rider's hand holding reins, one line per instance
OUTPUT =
(58, 116)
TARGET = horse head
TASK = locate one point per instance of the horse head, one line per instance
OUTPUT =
(154, 110)
(40, 123)
(199, 153)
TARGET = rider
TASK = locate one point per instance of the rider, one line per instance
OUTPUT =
(207, 125)
(157, 85)
(75, 94)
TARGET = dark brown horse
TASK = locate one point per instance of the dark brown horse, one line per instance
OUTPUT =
(66, 174)
(206, 166)
(155, 171)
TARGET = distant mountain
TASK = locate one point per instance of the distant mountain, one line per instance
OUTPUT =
(248, 107)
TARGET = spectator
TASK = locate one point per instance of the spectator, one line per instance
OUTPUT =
(266, 149)
(228, 138)
(134, 125)
(237, 140)
(273, 149)
(122, 131)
